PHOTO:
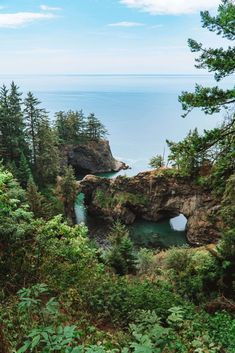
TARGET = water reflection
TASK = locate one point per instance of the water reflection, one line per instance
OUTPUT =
(163, 234)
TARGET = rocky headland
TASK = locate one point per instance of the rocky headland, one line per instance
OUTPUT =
(154, 196)
(91, 157)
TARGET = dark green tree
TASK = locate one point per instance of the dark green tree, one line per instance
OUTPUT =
(4, 124)
(122, 256)
(67, 192)
(48, 158)
(23, 172)
(218, 60)
(36, 200)
(157, 162)
(33, 116)
(12, 135)
(70, 127)
(95, 130)
(214, 147)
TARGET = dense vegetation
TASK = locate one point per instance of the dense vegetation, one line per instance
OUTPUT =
(30, 145)
(59, 291)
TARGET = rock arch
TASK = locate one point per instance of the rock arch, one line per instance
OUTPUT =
(153, 196)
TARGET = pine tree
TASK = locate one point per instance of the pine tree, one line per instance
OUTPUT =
(61, 127)
(218, 60)
(70, 126)
(34, 116)
(67, 192)
(12, 136)
(35, 200)
(48, 159)
(5, 126)
(95, 130)
(23, 172)
(215, 147)
(121, 256)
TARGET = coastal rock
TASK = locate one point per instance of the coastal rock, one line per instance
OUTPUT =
(154, 196)
(92, 157)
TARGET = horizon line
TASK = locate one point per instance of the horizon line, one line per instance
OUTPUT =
(106, 74)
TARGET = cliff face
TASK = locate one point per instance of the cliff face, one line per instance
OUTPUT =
(152, 197)
(92, 157)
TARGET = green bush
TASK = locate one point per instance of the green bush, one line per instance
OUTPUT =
(195, 274)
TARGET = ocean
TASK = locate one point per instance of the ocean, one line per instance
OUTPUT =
(139, 111)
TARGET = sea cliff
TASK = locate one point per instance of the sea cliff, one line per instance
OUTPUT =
(92, 157)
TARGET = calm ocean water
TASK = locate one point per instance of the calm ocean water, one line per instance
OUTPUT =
(139, 111)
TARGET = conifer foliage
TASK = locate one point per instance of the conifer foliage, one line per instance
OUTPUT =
(30, 144)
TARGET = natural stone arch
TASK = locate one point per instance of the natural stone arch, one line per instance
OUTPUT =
(153, 196)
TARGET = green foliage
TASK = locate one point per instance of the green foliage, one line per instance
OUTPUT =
(195, 274)
(223, 23)
(145, 262)
(209, 157)
(33, 117)
(12, 136)
(149, 335)
(186, 154)
(157, 162)
(106, 199)
(67, 192)
(16, 233)
(54, 337)
(228, 203)
(48, 161)
(221, 61)
(122, 255)
(36, 200)
(23, 172)
(94, 129)
(74, 128)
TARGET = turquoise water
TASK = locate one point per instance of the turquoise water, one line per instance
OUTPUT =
(140, 113)
(163, 234)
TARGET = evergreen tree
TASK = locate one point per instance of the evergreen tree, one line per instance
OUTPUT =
(36, 200)
(95, 130)
(48, 159)
(216, 146)
(70, 127)
(12, 137)
(34, 116)
(23, 173)
(67, 192)
(4, 126)
(75, 125)
(61, 127)
(157, 162)
(218, 60)
(122, 255)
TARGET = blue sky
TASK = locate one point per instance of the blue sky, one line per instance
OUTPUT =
(100, 36)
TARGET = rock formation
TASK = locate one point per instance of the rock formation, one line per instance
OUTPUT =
(153, 196)
(91, 157)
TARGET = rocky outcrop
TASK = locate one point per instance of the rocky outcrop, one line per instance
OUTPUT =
(91, 157)
(153, 196)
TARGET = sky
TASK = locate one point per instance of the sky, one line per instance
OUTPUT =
(101, 36)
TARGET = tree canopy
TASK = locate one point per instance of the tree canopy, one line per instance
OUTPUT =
(220, 61)
(214, 149)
